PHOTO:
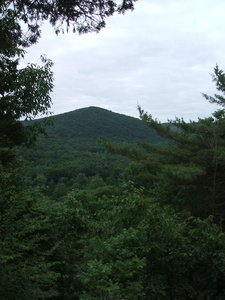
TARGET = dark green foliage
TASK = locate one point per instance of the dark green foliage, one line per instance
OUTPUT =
(139, 175)
(71, 150)
(128, 244)
(55, 163)
(219, 79)
(24, 93)
(138, 250)
(71, 224)
(82, 16)
(191, 172)
(26, 268)
(103, 240)
(92, 123)
(42, 241)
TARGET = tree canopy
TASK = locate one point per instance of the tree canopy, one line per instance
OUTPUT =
(154, 238)
(83, 16)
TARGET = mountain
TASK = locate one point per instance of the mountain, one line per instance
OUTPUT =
(89, 124)
(70, 157)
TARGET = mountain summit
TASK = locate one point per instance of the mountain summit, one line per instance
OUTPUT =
(91, 123)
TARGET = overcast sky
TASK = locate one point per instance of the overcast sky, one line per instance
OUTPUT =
(159, 56)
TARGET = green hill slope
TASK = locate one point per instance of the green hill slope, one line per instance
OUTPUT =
(70, 156)
(91, 123)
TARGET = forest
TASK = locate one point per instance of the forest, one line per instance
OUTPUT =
(96, 205)
(71, 156)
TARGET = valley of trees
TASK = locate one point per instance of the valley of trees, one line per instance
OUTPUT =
(129, 210)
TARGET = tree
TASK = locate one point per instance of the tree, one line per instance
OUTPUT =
(192, 167)
(26, 268)
(24, 93)
(21, 20)
(71, 223)
(83, 16)
(138, 250)
(188, 171)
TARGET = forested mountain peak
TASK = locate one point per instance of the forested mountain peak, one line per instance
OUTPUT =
(91, 123)
(71, 147)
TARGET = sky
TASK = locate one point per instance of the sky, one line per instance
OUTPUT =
(159, 56)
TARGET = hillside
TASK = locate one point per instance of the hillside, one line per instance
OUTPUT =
(89, 124)
(70, 156)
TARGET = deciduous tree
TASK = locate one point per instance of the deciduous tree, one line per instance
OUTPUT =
(26, 268)
(139, 250)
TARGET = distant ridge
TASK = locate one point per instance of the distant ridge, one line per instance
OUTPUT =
(90, 123)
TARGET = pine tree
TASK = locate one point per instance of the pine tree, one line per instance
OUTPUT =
(188, 172)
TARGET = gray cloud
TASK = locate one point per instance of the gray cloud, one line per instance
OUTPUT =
(160, 56)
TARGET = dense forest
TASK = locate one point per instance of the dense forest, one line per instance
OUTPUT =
(71, 157)
(96, 205)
